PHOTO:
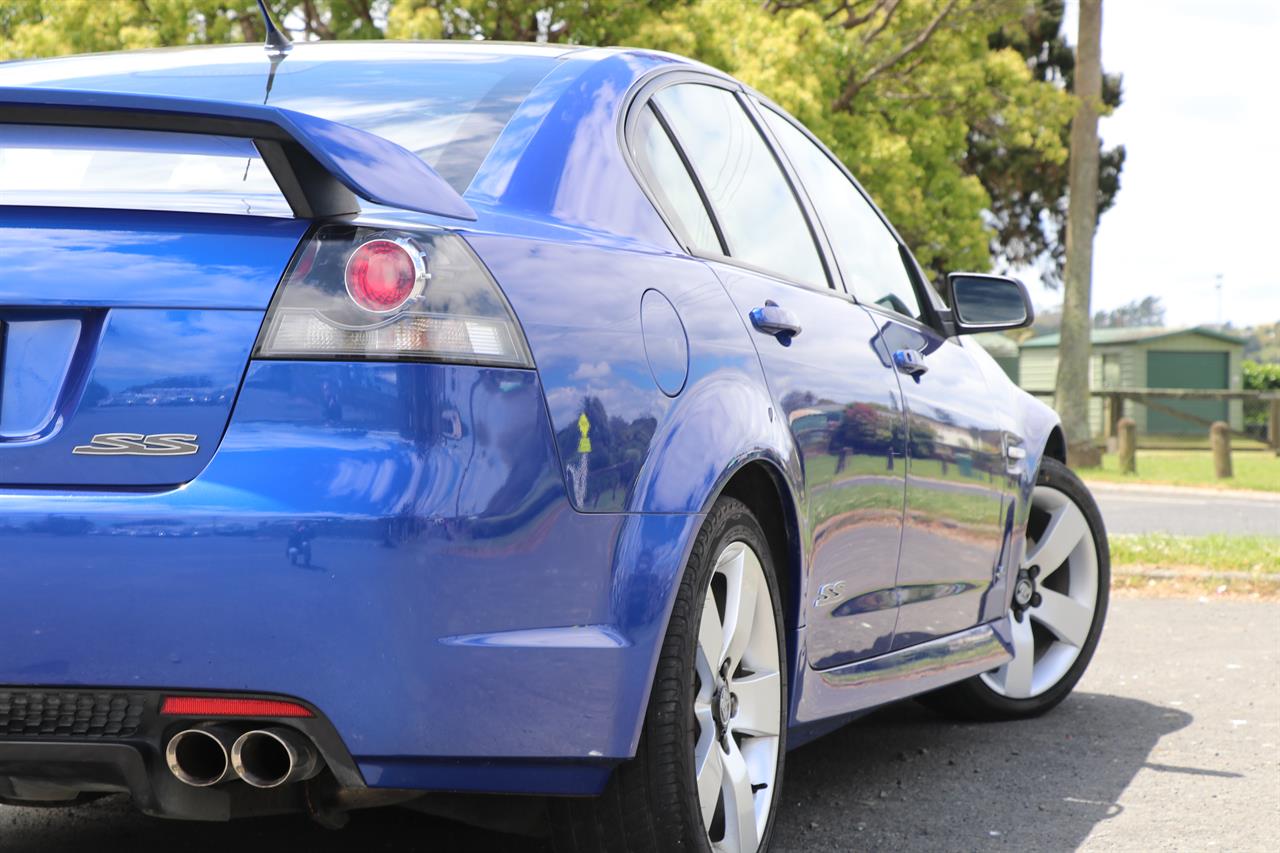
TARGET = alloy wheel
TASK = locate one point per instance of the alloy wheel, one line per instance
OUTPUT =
(738, 703)
(1055, 597)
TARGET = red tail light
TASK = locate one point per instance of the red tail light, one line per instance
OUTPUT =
(361, 293)
(208, 706)
(382, 275)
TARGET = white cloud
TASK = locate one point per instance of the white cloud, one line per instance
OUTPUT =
(599, 370)
(1201, 183)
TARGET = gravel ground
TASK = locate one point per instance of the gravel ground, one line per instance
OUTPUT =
(1171, 742)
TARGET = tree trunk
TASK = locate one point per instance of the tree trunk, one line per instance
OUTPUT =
(1072, 396)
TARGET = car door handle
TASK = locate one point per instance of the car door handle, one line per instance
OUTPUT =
(910, 362)
(773, 319)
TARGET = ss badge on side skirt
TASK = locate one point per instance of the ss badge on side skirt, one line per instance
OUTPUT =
(133, 444)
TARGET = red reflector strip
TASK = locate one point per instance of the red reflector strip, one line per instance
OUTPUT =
(201, 706)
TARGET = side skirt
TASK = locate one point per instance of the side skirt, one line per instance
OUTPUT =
(826, 698)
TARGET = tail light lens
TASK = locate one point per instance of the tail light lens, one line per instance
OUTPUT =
(365, 293)
(382, 275)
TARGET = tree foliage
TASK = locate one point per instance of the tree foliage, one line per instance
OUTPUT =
(1147, 311)
(952, 113)
(1028, 193)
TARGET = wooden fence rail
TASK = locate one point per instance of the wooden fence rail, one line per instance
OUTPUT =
(1113, 400)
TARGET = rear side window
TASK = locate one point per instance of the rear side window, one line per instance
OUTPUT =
(759, 216)
(865, 249)
(669, 180)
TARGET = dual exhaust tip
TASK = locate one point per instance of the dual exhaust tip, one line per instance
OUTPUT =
(265, 758)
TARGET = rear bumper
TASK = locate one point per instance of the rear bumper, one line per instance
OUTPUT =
(390, 543)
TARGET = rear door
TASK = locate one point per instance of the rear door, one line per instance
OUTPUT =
(955, 477)
(135, 270)
(840, 402)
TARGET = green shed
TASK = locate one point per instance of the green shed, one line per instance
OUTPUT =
(1148, 357)
(1003, 349)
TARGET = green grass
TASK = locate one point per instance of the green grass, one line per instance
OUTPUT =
(1258, 470)
(1259, 555)
(1193, 442)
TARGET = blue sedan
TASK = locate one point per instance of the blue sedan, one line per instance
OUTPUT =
(387, 423)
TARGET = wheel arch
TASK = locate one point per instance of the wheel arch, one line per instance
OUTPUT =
(761, 485)
(1055, 445)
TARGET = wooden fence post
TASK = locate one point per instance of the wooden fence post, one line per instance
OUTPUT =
(1273, 425)
(1128, 435)
(1220, 441)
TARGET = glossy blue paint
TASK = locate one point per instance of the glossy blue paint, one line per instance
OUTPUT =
(666, 344)
(74, 258)
(45, 348)
(953, 533)
(432, 508)
(490, 555)
(843, 412)
(372, 167)
(133, 370)
(643, 451)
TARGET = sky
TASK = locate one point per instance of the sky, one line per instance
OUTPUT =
(1200, 191)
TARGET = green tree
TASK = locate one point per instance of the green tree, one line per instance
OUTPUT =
(895, 87)
(1147, 311)
(904, 91)
(1028, 192)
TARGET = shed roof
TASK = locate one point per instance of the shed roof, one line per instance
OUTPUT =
(1134, 334)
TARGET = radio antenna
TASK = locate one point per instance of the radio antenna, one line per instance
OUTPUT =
(277, 42)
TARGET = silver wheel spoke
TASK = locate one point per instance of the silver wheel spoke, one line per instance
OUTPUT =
(710, 778)
(711, 642)
(738, 706)
(739, 803)
(1065, 610)
(759, 704)
(1067, 618)
(740, 606)
(1067, 526)
(1017, 673)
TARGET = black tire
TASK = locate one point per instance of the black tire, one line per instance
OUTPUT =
(651, 802)
(973, 699)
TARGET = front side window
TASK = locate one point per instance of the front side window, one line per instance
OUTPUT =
(759, 216)
(865, 249)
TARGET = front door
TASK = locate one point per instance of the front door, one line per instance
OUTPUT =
(954, 528)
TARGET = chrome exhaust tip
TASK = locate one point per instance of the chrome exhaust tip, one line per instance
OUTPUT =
(200, 757)
(267, 758)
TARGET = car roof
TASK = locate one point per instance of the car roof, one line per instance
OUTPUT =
(66, 70)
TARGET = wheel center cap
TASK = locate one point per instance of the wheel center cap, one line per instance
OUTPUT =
(1022, 592)
(723, 706)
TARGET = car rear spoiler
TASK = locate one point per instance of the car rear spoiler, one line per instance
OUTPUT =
(320, 166)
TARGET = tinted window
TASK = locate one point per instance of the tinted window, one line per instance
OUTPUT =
(670, 183)
(865, 249)
(758, 214)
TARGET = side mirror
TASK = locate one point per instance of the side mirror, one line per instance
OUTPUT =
(988, 303)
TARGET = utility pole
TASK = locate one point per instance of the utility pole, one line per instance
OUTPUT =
(1072, 389)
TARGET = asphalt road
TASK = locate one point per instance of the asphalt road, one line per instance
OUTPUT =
(1171, 742)
(1187, 512)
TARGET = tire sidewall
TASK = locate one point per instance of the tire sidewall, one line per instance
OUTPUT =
(1059, 477)
(729, 521)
